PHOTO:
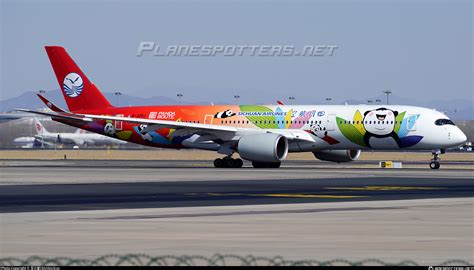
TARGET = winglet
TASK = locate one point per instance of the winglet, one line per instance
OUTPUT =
(50, 104)
(280, 103)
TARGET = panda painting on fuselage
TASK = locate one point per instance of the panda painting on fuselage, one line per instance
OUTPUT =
(380, 128)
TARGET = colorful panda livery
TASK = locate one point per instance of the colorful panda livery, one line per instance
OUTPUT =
(109, 129)
(380, 123)
(322, 133)
(145, 135)
(224, 114)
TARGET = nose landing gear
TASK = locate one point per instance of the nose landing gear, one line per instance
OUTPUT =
(434, 164)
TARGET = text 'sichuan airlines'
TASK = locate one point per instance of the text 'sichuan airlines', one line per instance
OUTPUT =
(261, 134)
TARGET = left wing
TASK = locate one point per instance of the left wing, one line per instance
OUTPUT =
(224, 133)
(216, 132)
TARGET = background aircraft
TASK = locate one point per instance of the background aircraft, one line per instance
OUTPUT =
(79, 138)
(261, 134)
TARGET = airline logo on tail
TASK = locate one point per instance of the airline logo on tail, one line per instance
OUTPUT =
(73, 84)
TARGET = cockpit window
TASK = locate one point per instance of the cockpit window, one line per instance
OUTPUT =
(442, 122)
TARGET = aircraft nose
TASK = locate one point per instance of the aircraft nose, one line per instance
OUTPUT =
(459, 136)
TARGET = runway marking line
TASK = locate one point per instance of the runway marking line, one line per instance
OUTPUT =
(310, 196)
(317, 196)
(384, 188)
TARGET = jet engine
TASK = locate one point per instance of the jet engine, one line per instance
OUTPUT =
(268, 147)
(337, 155)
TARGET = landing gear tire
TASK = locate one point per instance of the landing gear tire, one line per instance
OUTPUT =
(239, 163)
(260, 165)
(274, 165)
(218, 163)
(228, 163)
(434, 165)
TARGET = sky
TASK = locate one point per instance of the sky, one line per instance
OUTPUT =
(418, 49)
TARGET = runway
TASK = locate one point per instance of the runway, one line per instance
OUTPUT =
(304, 210)
(68, 186)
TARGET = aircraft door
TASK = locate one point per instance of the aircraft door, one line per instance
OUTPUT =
(118, 124)
(208, 119)
(330, 122)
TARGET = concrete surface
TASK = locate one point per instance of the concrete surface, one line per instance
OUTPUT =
(163, 154)
(426, 231)
(300, 211)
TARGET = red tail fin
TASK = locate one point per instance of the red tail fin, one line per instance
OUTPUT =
(80, 93)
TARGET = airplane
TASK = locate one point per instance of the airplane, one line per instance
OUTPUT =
(261, 134)
(80, 137)
(26, 142)
(32, 142)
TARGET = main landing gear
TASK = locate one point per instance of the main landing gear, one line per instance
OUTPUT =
(257, 164)
(228, 162)
(434, 164)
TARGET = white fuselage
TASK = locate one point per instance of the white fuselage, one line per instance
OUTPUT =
(384, 127)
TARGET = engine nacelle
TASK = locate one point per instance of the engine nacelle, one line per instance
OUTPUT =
(267, 147)
(337, 155)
